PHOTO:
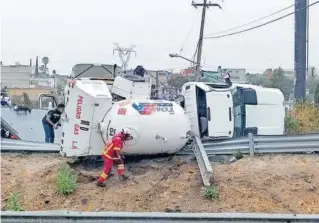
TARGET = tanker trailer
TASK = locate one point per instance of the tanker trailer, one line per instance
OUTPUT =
(156, 126)
(91, 119)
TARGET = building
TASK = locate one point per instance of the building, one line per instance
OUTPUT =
(15, 76)
(188, 71)
(289, 73)
(17, 95)
(46, 82)
(236, 75)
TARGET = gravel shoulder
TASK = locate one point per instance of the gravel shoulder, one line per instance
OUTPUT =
(270, 184)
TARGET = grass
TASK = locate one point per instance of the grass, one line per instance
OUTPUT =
(14, 203)
(302, 118)
(211, 192)
(66, 180)
(238, 155)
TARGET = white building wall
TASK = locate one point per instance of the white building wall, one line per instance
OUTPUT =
(15, 76)
(43, 82)
(237, 75)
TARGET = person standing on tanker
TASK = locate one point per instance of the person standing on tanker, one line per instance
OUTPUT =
(51, 121)
(111, 155)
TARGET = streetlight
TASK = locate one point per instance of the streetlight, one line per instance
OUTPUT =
(172, 55)
(196, 66)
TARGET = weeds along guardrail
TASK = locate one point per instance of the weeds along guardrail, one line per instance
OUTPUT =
(151, 217)
(264, 144)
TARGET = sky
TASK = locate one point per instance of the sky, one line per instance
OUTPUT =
(82, 31)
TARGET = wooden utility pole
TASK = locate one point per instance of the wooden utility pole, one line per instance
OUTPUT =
(205, 5)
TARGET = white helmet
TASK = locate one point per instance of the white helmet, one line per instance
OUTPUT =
(126, 131)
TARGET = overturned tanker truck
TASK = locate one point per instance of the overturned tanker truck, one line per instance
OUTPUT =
(91, 118)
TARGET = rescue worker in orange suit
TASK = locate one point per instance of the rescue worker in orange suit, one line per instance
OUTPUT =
(111, 155)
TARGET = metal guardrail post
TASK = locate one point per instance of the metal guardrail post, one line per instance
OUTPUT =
(251, 144)
(203, 161)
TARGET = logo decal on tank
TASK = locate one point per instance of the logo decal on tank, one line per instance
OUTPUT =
(121, 111)
(151, 108)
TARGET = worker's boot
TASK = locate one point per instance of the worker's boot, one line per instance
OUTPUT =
(123, 177)
(100, 184)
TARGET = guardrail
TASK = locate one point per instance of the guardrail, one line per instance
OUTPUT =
(264, 144)
(150, 217)
(205, 168)
(21, 145)
(247, 145)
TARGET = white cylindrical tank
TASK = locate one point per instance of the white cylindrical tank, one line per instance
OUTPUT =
(157, 126)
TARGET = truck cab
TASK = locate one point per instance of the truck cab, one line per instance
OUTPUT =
(218, 111)
(258, 110)
(210, 112)
(121, 85)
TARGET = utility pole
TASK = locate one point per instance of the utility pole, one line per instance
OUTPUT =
(307, 25)
(205, 5)
(301, 9)
(124, 54)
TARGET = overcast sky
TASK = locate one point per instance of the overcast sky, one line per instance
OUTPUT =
(82, 31)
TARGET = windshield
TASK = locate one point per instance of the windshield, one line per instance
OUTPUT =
(239, 112)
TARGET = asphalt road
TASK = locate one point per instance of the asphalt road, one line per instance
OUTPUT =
(29, 127)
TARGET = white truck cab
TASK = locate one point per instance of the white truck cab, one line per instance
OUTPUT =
(219, 111)
(121, 85)
(209, 111)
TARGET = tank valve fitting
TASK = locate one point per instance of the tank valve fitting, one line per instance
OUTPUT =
(101, 127)
(187, 136)
(160, 137)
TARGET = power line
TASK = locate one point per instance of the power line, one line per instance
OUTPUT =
(262, 54)
(256, 20)
(189, 33)
(261, 25)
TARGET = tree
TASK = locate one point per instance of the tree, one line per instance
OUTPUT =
(261, 80)
(280, 81)
(316, 98)
(45, 61)
(177, 81)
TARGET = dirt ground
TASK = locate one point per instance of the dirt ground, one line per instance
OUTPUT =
(270, 184)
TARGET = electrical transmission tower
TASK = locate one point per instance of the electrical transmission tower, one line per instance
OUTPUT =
(124, 54)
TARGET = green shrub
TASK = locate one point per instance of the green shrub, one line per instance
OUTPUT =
(238, 155)
(302, 118)
(66, 180)
(211, 192)
(291, 124)
(14, 203)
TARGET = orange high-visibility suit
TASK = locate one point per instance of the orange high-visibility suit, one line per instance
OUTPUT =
(110, 155)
